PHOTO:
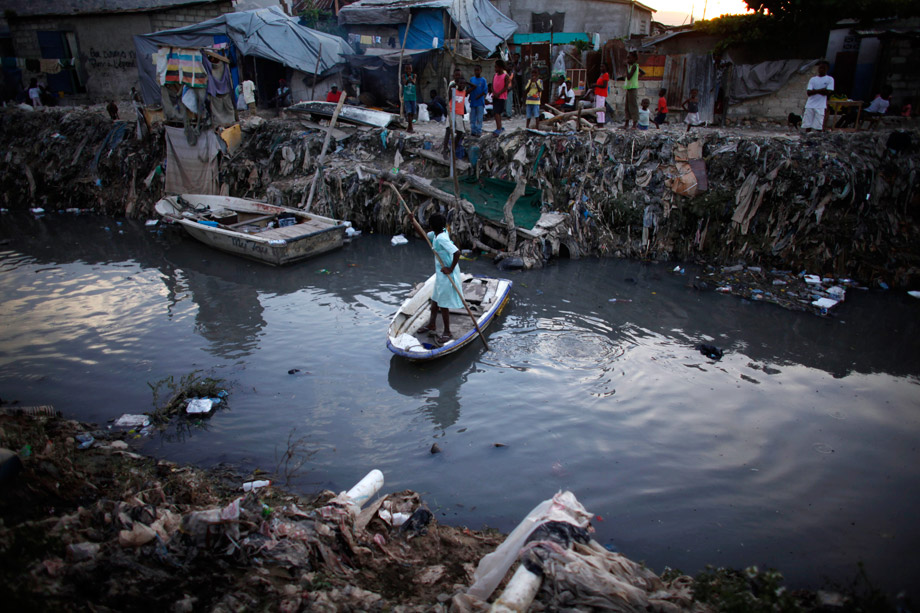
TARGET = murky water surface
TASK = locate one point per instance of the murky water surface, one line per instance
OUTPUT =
(797, 450)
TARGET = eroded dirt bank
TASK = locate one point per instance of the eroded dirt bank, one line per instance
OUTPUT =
(836, 204)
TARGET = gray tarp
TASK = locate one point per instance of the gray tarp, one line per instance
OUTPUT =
(266, 33)
(477, 20)
(753, 80)
(374, 59)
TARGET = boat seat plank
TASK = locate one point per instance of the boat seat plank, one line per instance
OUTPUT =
(251, 221)
(288, 232)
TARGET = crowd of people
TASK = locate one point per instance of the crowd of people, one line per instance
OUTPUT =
(512, 91)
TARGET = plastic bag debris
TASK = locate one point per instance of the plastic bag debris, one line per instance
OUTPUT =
(825, 303)
(711, 351)
(84, 441)
(399, 239)
(132, 421)
(200, 405)
(492, 567)
(417, 523)
(254, 485)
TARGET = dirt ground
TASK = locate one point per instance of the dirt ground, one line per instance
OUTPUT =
(87, 524)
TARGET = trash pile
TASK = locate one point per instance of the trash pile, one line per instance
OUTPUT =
(101, 526)
(838, 204)
(797, 292)
(89, 524)
(58, 160)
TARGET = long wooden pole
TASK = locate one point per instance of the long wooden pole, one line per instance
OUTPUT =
(316, 72)
(421, 232)
(399, 71)
(322, 154)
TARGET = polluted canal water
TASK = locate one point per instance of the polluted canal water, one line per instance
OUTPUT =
(796, 449)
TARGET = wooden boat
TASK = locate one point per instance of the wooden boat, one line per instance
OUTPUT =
(486, 297)
(348, 113)
(271, 234)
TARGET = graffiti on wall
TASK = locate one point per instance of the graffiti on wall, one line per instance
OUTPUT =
(116, 59)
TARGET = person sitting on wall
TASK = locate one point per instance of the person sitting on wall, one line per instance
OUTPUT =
(437, 107)
(879, 106)
(565, 96)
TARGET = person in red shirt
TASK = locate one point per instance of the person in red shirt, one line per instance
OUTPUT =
(662, 111)
(600, 94)
(334, 94)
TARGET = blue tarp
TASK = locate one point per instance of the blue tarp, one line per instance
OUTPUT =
(477, 20)
(266, 33)
(427, 31)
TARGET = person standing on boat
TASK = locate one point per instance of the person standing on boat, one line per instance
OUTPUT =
(444, 297)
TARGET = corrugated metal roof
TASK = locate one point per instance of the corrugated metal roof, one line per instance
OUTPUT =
(36, 8)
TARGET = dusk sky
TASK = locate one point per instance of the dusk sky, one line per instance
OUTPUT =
(676, 12)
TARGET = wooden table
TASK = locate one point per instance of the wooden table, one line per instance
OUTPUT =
(836, 105)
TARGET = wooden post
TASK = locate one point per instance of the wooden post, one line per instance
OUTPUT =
(402, 50)
(322, 154)
(316, 72)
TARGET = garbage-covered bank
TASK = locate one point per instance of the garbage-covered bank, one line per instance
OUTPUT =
(87, 523)
(835, 204)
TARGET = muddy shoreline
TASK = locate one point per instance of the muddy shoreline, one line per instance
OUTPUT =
(89, 523)
(838, 205)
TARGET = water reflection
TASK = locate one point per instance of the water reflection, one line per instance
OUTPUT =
(435, 384)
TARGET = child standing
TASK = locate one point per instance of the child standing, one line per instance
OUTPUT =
(644, 114)
(478, 89)
(534, 91)
(459, 102)
(692, 106)
(444, 297)
(410, 103)
(35, 93)
(631, 85)
(661, 114)
(600, 95)
(500, 84)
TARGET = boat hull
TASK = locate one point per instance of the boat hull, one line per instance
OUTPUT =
(310, 236)
(487, 298)
(353, 114)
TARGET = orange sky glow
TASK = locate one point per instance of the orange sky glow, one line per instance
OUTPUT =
(676, 12)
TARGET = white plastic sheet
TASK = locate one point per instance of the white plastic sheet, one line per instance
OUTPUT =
(492, 567)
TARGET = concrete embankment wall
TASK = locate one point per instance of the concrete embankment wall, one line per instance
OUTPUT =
(842, 203)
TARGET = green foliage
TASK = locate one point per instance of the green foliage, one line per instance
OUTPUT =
(752, 28)
(826, 12)
(776, 22)
(747, 591)
(319, 19)
(583, 45)
(169, 395)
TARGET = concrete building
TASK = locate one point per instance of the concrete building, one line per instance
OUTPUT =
(609, 18)
(84, 49)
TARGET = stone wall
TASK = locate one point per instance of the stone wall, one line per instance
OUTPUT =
(776, 107)
(901, 71)
(186, 16)
(608, 18)
(104, 45)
